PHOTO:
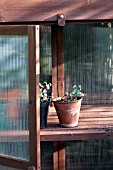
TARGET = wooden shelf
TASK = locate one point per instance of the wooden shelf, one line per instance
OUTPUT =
(96, 122)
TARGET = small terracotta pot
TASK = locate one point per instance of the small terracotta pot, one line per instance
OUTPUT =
(68, 112)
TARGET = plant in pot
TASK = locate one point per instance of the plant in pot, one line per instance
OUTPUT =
(68, 107)
(45, 99)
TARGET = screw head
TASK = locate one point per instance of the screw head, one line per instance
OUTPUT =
(61, 16)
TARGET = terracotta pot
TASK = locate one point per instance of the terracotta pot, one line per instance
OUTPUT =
(68, 112)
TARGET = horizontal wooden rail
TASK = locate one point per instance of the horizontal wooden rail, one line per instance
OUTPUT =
(14, 162)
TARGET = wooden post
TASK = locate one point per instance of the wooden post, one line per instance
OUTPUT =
(60, 62)
(57, 61)
(58, 88)
(55, 156)
(60, 78)
(61, 156)
(34, 102)
(54, 61)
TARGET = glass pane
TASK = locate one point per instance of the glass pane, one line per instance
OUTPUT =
(89, 155)
(13, 95)
(89, 61)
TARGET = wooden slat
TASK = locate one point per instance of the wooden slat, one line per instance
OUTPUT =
(14, 162)
(47, 10)
(34, 103)
(94, 125)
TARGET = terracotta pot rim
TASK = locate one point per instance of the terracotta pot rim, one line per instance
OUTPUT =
(67, 102)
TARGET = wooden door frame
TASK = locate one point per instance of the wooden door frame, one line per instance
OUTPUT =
(34, 104)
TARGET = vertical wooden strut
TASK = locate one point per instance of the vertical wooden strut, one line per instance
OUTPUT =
(58, 88)
(55, 156)
(34, 102)
(57, 61)
(54, 61)
(61, 155)
(60, 62)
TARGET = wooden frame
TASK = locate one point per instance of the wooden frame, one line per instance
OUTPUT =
(59, 135)
(48, 11)
(33, 135)
(34, 103)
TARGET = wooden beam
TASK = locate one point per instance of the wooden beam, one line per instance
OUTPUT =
(54, 61)
(13, 30)
(60, 62)
(57, 61)
(34, 102)
(47, 10)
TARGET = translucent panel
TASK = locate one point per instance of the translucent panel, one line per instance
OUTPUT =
(15, 149)
(89, 155)
(89, 61)
(47, 155)
(7, 168)
(45, 54)
(13, 93)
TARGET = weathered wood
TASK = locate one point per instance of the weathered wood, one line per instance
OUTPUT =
(47, 10)
(55, 156)
(94, 123)
(14, 162)
(60, 63)
(54, 61)
(57, 62)
(58, 156)
(13, 30)
(61, 156)
(34, 102)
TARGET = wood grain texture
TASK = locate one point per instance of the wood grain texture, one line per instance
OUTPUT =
(55, 156)
(34, 101)
(96, 122)
(60, 63)
(61, 155)
(54, 61)
(14, 162)
(48, 10)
